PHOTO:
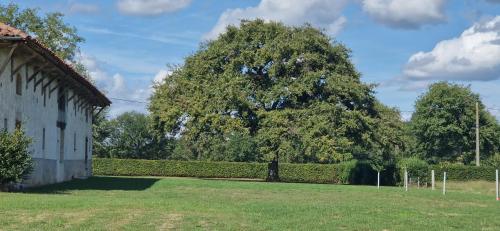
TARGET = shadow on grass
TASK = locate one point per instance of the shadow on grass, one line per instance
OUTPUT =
(236, 179)
(97, 183)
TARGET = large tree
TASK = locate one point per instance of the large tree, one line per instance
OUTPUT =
(293, 90)
(443, 124)
(48, 29)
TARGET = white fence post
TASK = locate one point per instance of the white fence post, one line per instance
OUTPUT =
(418, 182)
(444, 183)
(406, 180)
(498, 197)
(378, 180)
(433, 179)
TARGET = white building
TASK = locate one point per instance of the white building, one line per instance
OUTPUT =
(52, 103)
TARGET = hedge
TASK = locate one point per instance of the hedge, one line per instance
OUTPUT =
(454, 172)
(464, 173)
(135, 167)
(351, 172)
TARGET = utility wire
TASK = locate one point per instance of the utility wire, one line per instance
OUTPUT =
(144, 102)
(129, 100)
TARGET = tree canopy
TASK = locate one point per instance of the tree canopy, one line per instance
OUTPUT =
(50, 29)
(129, 136)
(292, 90)
(444, 125)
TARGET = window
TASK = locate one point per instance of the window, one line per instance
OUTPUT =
(19, 84)
(18, 124)
(43, 139)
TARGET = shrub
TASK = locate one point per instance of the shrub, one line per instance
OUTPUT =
(493, 161)
(15, 160)
(416, 168)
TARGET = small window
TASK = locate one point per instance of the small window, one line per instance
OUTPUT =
(19, 84)
(18, 124)
(43, 139)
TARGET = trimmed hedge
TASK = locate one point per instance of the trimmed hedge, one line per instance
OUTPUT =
(350, 172)
(346, 173)
(454, 172)
(135, 167)
(464, 173)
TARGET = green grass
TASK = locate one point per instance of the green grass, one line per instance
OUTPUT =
(126, 203)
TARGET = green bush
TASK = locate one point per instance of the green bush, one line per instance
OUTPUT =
(416, 168)
(493, 161)
(15, 160)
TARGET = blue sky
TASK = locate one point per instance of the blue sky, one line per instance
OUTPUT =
(402, 45)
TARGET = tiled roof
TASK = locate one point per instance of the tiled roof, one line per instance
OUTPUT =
(8, 31)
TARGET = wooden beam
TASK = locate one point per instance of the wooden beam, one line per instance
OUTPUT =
(38, 82)
(81, 104)
(78, 101)
(53, 89)
(99, 112)
(9, 57)
(48, 84)
(28, 60)
(72, 96)
(33, 75)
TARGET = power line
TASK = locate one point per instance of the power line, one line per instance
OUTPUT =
(129, 100)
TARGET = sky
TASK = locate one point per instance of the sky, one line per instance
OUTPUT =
(400, 45)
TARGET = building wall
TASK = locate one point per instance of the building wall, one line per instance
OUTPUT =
(35, 117)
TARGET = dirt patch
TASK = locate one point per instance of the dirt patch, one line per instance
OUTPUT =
(171, 221)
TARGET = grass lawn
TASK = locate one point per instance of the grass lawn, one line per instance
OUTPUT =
(126, 203)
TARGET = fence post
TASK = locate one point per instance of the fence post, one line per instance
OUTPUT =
(418, 182)
(406, 180)
(433, 179)
(444, 183)
(498, 197)
(378, 180)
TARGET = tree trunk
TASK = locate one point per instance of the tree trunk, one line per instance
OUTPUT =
(273, 171)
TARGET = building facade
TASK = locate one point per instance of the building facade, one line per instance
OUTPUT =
(51, 103)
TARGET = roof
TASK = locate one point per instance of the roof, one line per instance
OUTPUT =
(10, 33)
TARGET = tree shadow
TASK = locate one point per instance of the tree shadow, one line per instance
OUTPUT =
(97, 183)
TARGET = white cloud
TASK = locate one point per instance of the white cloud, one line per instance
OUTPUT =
(474, 55)
(83, 8)
(161, 75)
(151, 7)
(116, 87)
(320, 13)
(407, 14)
